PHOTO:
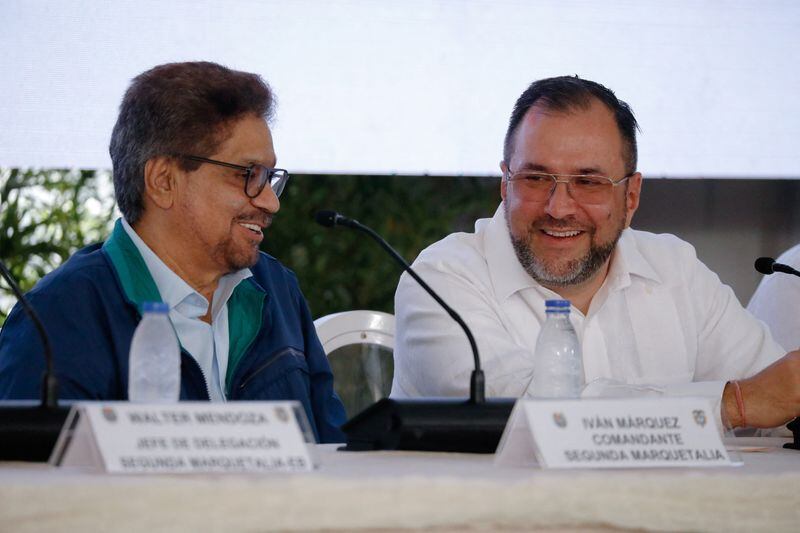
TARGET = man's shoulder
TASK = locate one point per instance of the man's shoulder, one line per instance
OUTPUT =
(791, 256)
(268, 271)
(669, 257)
(458, 251)
(87, 266)
(658, 245)
(83, 284)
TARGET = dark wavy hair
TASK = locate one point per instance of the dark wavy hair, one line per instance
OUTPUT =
(566, 93)
(178, 108)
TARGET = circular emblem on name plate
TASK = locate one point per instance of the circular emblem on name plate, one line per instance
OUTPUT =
(560, 419)
(109, 414)
(699, 417)
(281, 413)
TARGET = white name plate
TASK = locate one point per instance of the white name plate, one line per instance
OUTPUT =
(186, 437)
(611, 433)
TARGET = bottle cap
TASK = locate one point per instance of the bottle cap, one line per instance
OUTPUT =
(155, 307)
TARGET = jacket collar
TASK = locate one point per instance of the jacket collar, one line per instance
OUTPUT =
(136, 281)
(245, 306)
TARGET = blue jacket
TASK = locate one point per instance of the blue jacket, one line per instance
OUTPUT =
(90, 308)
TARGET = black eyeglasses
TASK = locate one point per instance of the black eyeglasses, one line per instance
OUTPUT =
(255, 176)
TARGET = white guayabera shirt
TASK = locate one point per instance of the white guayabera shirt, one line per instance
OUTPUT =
(661, 319)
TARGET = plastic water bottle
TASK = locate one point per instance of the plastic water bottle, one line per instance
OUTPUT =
(155, 358)
(558, 364)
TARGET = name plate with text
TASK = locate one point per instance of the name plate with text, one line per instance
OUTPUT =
(186, 437)
(613, 433)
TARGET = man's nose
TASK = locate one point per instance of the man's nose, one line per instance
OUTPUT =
(267, 200)
(560, 204)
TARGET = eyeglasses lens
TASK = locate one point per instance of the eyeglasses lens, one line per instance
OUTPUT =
(278, 181)
(260, 176)
(583, 189)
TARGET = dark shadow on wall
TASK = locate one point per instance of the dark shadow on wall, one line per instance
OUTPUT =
(730, 222)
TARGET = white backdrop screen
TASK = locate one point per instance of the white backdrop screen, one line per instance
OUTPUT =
(417, 87)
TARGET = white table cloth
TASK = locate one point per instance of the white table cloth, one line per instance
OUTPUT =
(397, 490)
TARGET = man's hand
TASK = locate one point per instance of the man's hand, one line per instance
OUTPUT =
(771, 397)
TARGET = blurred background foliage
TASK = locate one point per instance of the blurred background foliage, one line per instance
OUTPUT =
(48, 214)
(341, 269)
(45, 215)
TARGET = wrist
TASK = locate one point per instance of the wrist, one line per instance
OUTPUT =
(731, 414)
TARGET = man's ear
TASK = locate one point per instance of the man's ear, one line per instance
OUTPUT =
(633, 193)
(159, 181)
(503, 182)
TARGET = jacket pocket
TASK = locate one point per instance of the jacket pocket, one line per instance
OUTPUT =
(283, 376)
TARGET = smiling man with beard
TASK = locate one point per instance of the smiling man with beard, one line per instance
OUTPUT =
(648, 313)
(196, 181)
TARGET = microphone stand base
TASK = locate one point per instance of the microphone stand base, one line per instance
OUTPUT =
(437, 425)
(794, 427)
(28, 430)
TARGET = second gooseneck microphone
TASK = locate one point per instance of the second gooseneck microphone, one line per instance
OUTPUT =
(767, 266)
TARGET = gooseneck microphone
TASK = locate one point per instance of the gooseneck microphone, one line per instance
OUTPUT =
(28, 431)
(49, 383)
(330, 219)
(454, 425)
(767, 265)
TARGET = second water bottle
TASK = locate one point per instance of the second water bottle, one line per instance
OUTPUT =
(558, 362)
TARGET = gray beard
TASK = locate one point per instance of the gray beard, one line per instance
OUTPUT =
(234, 259)
(573, 272)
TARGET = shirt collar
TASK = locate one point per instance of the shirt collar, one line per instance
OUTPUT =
(628, 261)
(175, 291)
(508, 276)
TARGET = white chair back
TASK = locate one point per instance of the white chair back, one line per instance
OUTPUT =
(355, 327)
(359, 346)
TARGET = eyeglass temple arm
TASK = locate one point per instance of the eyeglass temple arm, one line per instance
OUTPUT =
(215, 162)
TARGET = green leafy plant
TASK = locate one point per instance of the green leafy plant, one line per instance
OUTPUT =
(45, 216)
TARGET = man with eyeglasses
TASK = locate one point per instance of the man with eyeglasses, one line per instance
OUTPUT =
(195, 180)
(651, 317)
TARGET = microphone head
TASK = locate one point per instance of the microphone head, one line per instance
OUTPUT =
(326, 218)
(764, 265)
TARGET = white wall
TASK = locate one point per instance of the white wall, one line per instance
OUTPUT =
(417, 87)
(729, 222)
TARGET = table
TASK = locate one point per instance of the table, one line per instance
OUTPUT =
(395, 490)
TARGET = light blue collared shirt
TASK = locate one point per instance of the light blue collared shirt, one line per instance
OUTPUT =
(206, 343)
